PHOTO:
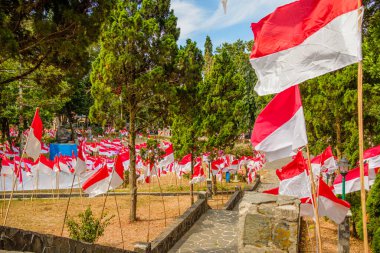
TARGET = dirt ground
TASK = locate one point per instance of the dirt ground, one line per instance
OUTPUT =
(329, 238)
(46, 215)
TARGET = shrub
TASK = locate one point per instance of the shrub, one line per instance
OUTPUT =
(88, 228)
(373, 208)
(376, 241)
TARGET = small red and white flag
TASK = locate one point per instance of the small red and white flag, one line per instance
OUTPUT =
(98, 183)
(303, 40)
(185, 164)
(294, 179)
(34, 141)
(352, 181)
(324, 162)
(372, 157)
(168, 157)
(80, 165)
(117, 177)
(44, 165)
(6, 166)
(198, 172)
(280, 128)
(328, 205)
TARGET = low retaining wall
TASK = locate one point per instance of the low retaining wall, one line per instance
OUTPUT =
(177, 229)
(234, 199)
(268, 223)
(21, 240)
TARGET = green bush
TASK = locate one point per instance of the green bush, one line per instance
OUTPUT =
(376, 241)
(373, 208)
(88, 228)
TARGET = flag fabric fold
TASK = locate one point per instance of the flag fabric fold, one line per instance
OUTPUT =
(294, 180)
(98, 183)
(33, 143)
(280, 128)
(320, 37)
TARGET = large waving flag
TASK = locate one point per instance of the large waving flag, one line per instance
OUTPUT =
(303, 40)
(294, 180)
(328, 205)
(33, 143)
(280, 128)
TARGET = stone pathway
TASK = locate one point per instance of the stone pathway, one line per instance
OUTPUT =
(215, 231)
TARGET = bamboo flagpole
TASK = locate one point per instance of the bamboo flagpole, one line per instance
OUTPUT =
(118, 215)
(67, 206)
(361, 155)
(315, 206)
(361, 143)
(104, 204)
(147, 236)
(162, 196)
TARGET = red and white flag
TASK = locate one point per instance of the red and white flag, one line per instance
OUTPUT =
(352, 181)
(372, 157)
(44, 165)
(34, 141)
(117, 177)
(80, 165)
(325, 161)
(294, 179)
(280, 128)
(6, 166)
(303, 40)
(328, 205)
(185, 164)
(198, 173)
(168, 157)
(98, 183)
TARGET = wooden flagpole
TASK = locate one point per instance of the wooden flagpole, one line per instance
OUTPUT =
(118, 215)
(104, 204)
(67, 206)
(13, 189)
(361, 155)
(162, 197)
(147, 236)
(3, 205)
(361, 143)
(179, 207)
(314, 200)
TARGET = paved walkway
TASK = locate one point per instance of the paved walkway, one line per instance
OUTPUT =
(214, 232)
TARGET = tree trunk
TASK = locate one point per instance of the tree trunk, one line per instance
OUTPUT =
(191, 177)
(132, 174)
(214, 186)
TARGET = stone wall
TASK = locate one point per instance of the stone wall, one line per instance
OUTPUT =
(21, 240)
(268, 223)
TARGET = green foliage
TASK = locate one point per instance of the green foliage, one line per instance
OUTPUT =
(376, 241)
(185, 110)
(88, 228)
(228, 99)
(373, 208)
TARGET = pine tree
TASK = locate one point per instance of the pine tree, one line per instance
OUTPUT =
(136, 62)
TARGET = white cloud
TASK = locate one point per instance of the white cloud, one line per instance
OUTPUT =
(194, 18)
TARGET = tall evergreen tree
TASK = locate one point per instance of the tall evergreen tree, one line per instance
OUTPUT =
(229, 107)
(185, 111)
(136, 61)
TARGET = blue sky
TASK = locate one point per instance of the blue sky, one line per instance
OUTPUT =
(199, 18)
